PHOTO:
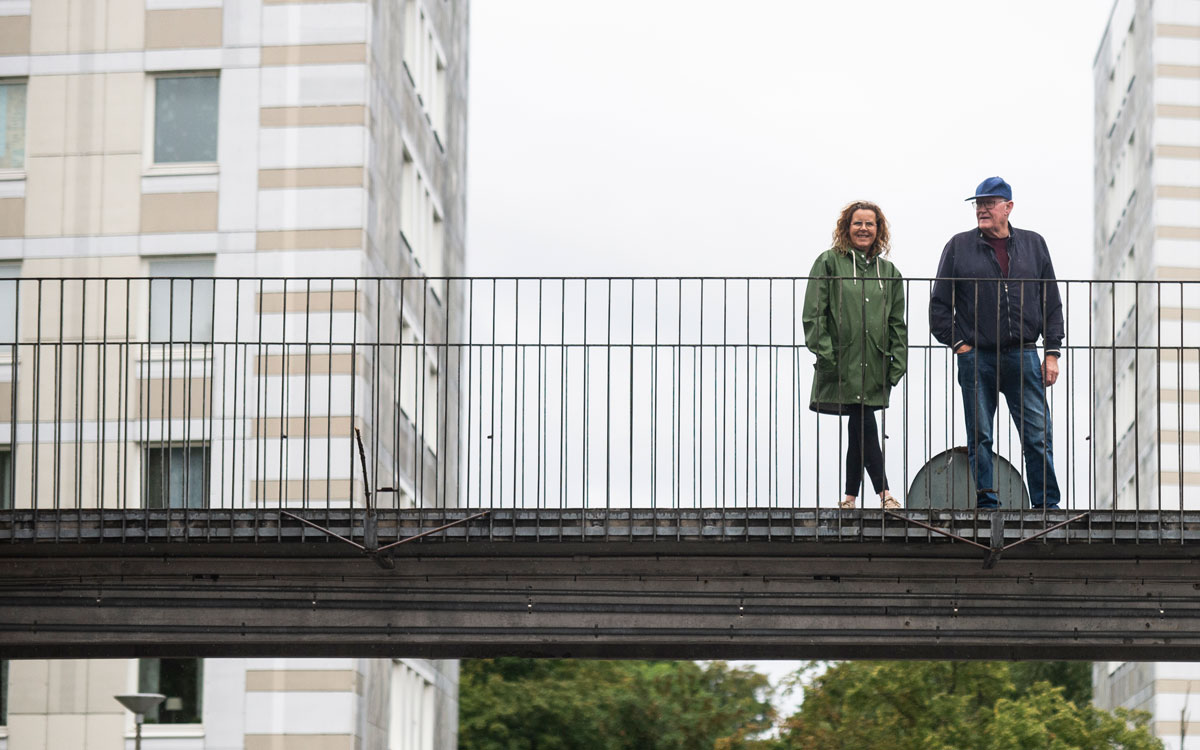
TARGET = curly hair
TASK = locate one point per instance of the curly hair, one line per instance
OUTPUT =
(841, 232)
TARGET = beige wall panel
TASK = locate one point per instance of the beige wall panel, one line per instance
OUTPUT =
(1178, 152)
(87, 24)
(6, 410)
(1187, 437)
(34, 678)
(293, 427)
(300, 741)
(67, 730)
(67, 689)
(126, 25)
(12, 217)
(14, 35)
(314, 301)
(1177, 71)
(1175, 314)
(106, 678)
(85, 114)
(310, 239)
(121, 194)
(1178, 30)
(83, 194)
(185, 28)
(105, 731)
(124, 103)
(1172, 355)
(270, 179)
(44, 195)
(290, 117)
(314, 54)
(315, 364)
(1177, 110)
(187, 398)
(303, 680)
(1172, 395)
(47, 109)
(1177, 273)
(1177, 191)
(48, 26)
(268, 490)
(179, 212)
(1177, 233)
(27, 731)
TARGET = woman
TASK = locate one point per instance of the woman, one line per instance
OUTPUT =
(854, 323)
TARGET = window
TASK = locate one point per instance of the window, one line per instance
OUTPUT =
(10, 273)
(6, 476)
(12, 124)
(421, 225)
(413, 715)
(181, 680)
(426, 66)
(176, 476)
(185, 118)
(181, 307)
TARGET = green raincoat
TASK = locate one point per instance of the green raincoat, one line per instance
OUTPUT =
(854, 323)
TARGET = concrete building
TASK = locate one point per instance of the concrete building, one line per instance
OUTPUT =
(1147, 231)
(260, 140)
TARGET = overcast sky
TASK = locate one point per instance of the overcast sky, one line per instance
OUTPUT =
(689, 137)
(683, 137)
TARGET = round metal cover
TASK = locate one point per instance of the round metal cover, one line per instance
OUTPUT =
(946, 482)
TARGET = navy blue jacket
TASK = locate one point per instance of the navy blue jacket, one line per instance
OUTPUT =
(972, 304)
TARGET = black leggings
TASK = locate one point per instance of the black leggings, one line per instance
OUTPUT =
(863, 438)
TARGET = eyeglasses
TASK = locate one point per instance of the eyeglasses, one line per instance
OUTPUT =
(987, 204)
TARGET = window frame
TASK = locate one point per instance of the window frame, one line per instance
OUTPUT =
(167, 446)
(158, 728)
(154, 168)
(18, 173)
(176, 284)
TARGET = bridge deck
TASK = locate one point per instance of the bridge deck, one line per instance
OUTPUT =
(685, 584)
(1151, 533)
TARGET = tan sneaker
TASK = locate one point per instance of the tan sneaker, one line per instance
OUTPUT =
(847, 503)
(889, 502)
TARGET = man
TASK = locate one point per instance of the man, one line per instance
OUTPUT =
(993, 325)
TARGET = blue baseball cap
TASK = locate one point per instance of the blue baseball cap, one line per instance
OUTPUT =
(993, 187)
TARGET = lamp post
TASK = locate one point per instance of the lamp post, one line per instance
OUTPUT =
(140, 704)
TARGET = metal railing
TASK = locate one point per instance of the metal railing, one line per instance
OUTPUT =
(542, 393)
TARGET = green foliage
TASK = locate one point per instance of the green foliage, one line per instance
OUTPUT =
(955, 706)
(543, 704)
(1074, 677)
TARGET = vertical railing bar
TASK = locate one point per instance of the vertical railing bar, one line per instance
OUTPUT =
(306, 410)
(632, 354)
(353, 415)
(80, 370)
(58, 393)
(441, 476)
(375, 343)
(14, 415)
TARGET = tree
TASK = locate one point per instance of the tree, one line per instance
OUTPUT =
(953, 706)
(531, 704)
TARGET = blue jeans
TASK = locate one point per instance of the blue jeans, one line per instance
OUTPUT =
(1017, 373)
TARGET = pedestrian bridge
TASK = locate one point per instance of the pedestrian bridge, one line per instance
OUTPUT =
(566, 467)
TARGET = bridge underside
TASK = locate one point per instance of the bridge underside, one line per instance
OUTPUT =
(762, 584)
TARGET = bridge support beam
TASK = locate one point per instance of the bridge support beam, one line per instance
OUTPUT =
(754, 600)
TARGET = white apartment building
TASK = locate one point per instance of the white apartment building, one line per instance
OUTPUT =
(1147, 229)
(251, 141)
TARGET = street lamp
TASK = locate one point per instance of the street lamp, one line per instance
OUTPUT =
(140, 704)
